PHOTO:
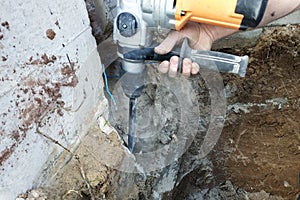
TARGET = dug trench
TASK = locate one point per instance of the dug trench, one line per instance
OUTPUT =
(258, 150)
(257, 155)
(259, 147)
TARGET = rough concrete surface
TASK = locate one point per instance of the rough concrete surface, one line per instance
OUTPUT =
(50, 81)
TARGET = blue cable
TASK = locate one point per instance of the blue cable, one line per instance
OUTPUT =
(106, 87)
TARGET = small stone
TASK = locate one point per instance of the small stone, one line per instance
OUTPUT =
(286, 184)
(35, 194)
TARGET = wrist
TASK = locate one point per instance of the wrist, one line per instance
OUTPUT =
(277, 9)
(221, 32)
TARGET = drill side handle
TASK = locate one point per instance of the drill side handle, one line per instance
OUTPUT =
(212, 60)
(148, 54)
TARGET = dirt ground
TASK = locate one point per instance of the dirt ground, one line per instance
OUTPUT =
(262, 147)
(259, 148)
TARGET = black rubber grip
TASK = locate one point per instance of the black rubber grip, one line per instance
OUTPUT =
(147, 54)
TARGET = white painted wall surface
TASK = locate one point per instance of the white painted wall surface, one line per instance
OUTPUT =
(38, 86)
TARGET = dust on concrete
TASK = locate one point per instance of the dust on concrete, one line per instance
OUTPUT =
(160, 111)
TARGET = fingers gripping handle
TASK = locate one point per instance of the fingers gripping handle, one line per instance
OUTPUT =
(212, 60)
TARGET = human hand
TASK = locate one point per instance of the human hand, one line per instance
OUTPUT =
(201, 37)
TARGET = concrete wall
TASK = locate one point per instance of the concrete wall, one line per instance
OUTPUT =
(50, 84)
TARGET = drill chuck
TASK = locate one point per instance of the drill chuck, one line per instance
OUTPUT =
(134, 80)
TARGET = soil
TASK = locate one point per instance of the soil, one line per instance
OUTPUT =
(259, 149)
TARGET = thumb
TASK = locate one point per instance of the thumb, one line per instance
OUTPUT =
(167, 45)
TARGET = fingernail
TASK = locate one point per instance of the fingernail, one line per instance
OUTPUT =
(164, 67)
(187, 65)
(173, 66)
(195, 68)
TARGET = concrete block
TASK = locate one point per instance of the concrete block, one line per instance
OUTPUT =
(51, 84)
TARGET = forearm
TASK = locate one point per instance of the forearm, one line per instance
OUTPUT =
(275, 9)
(279, 8)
